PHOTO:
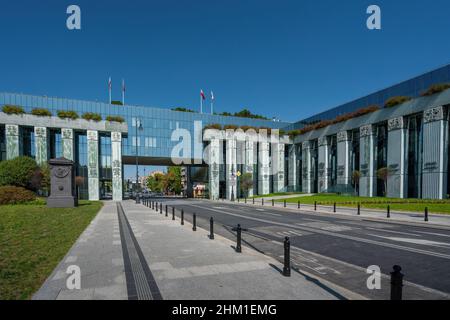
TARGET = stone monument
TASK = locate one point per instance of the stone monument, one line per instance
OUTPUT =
(62, 184)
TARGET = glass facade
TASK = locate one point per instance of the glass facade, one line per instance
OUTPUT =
(55, 143)
(81, 159)
(414, 156)
(26, 143)
(411, 88)
(2, 143)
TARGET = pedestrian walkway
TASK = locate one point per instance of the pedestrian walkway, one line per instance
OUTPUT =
(158, 258)
(416, 218)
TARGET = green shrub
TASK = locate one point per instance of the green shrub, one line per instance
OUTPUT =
(117, 102)
(10, 109)
(115, 119)
(15, 195)
(19, 172)
(213, 126)
(394, 101)
(41, 112)
(92, 116)
(67, 114)
(182, 109)
(436, 88)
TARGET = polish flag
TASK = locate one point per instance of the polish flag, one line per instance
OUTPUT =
(202, 94)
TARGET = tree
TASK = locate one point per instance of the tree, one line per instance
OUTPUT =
(383, 174)
(246, 183)
(155, 182)
(173, 180)
(356, 175)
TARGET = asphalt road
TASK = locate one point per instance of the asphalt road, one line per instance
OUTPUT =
(337, 249)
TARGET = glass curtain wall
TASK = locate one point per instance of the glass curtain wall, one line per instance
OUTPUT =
(414, 152)
(81, 162)
(381, 157)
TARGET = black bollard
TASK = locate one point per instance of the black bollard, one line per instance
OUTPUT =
(273, 202)
(388, 215)
(166, 210)
(194, 222)
(262, 201)
(253, 200)
(315, 205)
(182, 217)
(245, 200)
(396, 283)
(298, 204)
(426, 214)
(285, 203)
(238, 199)
(238, 238)
(160, 208)
(359, 209)
(211, 228)
(151, 204)
(287, 258)
(334, 207)
(173, 213)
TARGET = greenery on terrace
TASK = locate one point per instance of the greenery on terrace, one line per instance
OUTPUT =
(33, 239)
(415, 205)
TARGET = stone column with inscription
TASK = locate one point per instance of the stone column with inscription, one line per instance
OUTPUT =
(249, 161)
(278, 166)
(93, 170)
(323, 173)
(435, 153)
(116, 164)
(214, 169)
(230, 170)
(396, 162)
(343, 158)
(306, 166)
(67, 136)
(292, 169)
(12, 141)
(366, 161)
(41, 145)
(263, 167)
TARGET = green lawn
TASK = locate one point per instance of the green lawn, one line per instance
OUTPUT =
(276, 194)
(434, 206)
(33, 239)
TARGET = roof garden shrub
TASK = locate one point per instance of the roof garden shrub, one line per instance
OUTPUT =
(117, 102)
(92, 116)
(436, 88)
(230, 127)
(41, 112)
(182, 109)
(11, 109)
(395, 101)
(69, 114)
(15, 195)
(115, 119)
(216, 126)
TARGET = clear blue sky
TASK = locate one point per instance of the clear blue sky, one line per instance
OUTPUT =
(285, 58)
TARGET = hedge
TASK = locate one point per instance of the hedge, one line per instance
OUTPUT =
(67, 114)
(41, 112)
(15, 195)
(92, 116)
(436, 88)
(10, 109)
(394, 101)
(115, 119)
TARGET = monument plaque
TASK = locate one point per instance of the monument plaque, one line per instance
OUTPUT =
(62, 184)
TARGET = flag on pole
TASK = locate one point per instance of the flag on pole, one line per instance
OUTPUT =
(123, 91)
(202, 97)
(109, 88)
(212, 102)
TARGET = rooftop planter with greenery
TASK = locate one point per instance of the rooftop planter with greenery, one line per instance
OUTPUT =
(395, 101)
(91, 116)
(216, 126)
(117, 103)
(69, 114)
(182, 109)
(41, 112)
(436, 88)
(338, 119)
(115, 119)
(10, 109)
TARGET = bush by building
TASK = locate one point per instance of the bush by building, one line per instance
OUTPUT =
(436, 88)
(395, 101)
(41, 112)
(15, 195)
(115, 119)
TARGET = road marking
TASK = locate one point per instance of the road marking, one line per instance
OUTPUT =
(416, 241)
(435, 234)
(392, 231)
(338, 235)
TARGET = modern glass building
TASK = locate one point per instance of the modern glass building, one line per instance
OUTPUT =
(409, 141)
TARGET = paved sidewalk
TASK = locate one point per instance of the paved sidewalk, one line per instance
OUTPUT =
(179, 263)
(378, 215)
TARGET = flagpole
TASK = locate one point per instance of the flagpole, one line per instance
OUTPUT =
(109, 88)
(123, 92)
(201, 104)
